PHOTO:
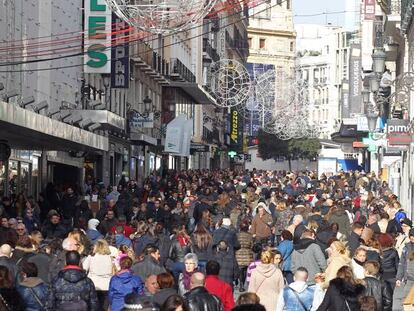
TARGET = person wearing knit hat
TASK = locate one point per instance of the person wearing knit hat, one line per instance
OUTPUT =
(92, 233)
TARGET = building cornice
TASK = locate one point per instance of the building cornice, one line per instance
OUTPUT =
(261, 31)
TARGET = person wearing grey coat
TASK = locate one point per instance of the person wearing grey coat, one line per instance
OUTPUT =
(309, 255)
(405, 274)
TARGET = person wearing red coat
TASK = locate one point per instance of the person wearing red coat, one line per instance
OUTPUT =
(218, 287)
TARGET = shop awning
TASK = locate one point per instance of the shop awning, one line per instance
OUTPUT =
(196, 91)
(25, 129)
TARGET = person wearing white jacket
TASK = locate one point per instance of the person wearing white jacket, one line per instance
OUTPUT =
(99, 269)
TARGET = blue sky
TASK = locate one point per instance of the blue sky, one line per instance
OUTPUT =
(302, 7)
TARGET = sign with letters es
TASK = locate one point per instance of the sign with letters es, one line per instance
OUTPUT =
(119, 53)
(97, 37)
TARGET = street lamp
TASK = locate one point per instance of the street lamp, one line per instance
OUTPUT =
(147, 104)
(374, 82)
(378, 60)
(365, 96)
(372, 117)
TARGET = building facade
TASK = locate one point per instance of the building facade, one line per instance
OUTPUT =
(322, 63)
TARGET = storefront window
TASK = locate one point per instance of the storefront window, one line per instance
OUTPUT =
(13, 176)
(24, 178)
(2, 178)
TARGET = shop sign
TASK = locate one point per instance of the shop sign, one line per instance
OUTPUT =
(354, 99)
(120, 53)
(199, 148)
(236, 140)
(139, 121)
(97, 37)
(398, 132)
(369, 10)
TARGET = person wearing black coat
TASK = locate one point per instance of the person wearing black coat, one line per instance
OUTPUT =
(343, 292)
(376, 287)
(198, 298)
(354, 240)
(389, 266)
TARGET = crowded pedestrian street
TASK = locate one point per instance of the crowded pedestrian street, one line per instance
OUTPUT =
(206, 155)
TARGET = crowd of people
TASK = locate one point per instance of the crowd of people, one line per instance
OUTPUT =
(205, 240)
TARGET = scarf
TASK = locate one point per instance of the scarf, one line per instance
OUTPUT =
(187, 278)
(359, 262)
(182, 240)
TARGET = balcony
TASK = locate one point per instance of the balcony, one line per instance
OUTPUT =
(209, 52)
(239, 43)
(179, 72)
(150, 62)
(406, 14)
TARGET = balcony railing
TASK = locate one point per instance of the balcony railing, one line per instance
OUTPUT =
(207, 48)
(144, 52)
(406, 13)
(239, 42)
(179, 72)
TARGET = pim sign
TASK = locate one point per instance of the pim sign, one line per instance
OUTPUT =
(398, 132)
(97, 37)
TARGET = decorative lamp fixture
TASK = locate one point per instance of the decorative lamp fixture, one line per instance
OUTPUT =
(147, 104)
(365, 96)
(374, 83)
(378, 61)
(106, 78)
(372, 117)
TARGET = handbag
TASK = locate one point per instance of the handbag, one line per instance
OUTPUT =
(300, 300)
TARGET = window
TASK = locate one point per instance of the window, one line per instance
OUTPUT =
(249, 40)
(262, 43)
(288, 4)
(279, 2)
(291, 46)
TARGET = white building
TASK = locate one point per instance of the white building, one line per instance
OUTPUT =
(322, 61)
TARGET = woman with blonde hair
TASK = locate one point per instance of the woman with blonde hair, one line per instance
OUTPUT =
(339, 256)
(267, 281)
(98, 266)
(82, 239)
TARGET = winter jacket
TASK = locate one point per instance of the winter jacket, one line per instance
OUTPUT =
(357, 269)
(51, 231)
(120, 239)
(199, 299)
(72, 285)
(353, 242)
(334, 264)
(224, 233)
(147, 267)
(140, 242)
(163, 294)
(341, 218)
(267, 282)
(286, 249)
(340, 295)
(121, 284)
(178, 252)
(12, 298)
(42, 262)
(9, 264)
(93, 235)
(380, 291)
(402, 273)
(99, 269)
(32, 290)
(288, 301)
(389, 263)
(261, 226)
(400, 243)
(244, 255)
(203, 254)
(283, 219)
(229, 269)
(309, 255)
(222, 290)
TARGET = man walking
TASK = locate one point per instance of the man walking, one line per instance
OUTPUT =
(72, 289)
(198, 298)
